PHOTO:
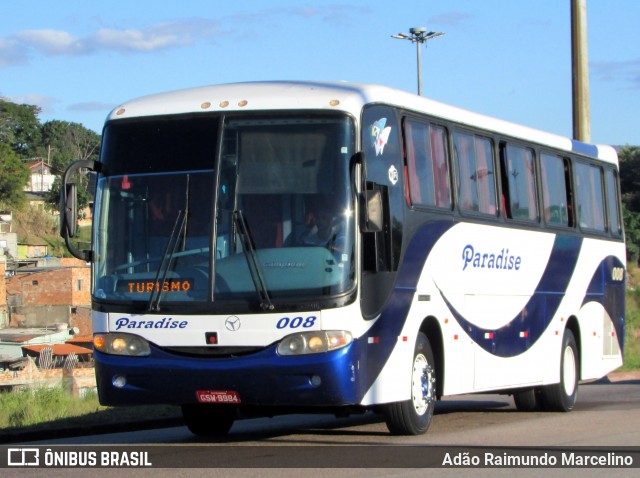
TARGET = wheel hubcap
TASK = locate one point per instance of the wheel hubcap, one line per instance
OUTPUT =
(422, 384)
(569, 371)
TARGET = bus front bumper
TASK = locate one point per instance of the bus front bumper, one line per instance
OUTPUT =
(261, 379)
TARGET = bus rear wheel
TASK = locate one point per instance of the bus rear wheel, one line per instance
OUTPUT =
(561, 397)
(413, 416)
(208, 420)
(526, 400)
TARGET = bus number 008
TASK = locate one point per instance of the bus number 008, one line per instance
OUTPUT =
(296, 322)
(617, 273)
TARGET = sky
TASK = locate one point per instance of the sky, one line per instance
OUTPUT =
(511, 59)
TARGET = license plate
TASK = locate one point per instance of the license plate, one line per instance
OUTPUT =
(218, 396)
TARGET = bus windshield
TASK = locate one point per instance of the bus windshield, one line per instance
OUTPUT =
(265, 217)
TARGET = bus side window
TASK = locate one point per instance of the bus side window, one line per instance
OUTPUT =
(518, 179)
(590, 196)
(556, 199)
(613, 203)
(476, 173)
(427, 167)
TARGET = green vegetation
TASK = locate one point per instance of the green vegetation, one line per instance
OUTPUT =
(58, 143)
(632, 339)
(630, 187)
(31, 407)
(14, 174)
(54, 408)
(34, 225)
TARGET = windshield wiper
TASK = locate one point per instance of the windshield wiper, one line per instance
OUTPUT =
(167, 259)
(249, 250)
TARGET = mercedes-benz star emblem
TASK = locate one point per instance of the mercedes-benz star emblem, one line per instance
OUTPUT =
(232, 323)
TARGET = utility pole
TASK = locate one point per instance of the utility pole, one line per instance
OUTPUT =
(580, 71)
(418, 35)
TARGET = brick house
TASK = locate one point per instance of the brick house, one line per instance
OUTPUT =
(44, 297)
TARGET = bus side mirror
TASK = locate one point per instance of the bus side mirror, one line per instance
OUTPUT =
(69, 207)
(374, 211)
(69, 211)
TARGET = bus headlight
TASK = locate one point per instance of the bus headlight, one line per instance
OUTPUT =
(314, 342)
(121, 344)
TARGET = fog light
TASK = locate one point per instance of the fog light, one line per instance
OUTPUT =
(119, 381)
(315, 381)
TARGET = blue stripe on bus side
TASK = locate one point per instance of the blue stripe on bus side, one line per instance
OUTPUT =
(610, 293)
(584, 148)
(506, 341)
(526, 327)
(392, 319)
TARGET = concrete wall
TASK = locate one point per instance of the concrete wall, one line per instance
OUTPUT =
(9, 243)
(4, 315)
(37, 316)
(45, 297)
(77, 380)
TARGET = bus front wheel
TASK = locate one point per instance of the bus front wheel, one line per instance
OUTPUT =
(413, 416)
(208, 420)
(561, 397)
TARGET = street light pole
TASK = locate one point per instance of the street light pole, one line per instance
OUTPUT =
(418, 35)
(580, 71)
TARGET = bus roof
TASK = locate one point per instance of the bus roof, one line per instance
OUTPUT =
(342, 96)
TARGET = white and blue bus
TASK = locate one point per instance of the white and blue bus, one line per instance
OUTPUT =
(284, 247)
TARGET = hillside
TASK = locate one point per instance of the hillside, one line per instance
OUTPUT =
(34, 225)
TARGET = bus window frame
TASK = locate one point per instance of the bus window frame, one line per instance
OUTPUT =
(469, 213)
(619, 234)
(569, 191)
(585, 230)
(503, 143)
(429, 122)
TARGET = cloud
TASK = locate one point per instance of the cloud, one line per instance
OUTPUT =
(134, 40)
(162, 36)
(342, 14)
(627, 71)
(451, 19)
(11, 53)
(91, 106)
(22, 46)
(50, 42)
(44, 102)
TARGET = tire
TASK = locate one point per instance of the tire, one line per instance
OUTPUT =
(526, 400)
(413, 416)
(561, 397)
(208, 420)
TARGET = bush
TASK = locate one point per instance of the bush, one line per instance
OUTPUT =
(34, 406)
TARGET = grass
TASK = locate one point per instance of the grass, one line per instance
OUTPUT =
(55, 408)
(632, 338)
(30, 407)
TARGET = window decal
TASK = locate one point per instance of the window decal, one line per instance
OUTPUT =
(380, 135)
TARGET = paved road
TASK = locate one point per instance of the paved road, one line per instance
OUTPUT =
(607, 414)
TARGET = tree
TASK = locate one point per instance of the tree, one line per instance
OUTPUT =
(20, 128)
(14, 175)
(63, 143)
(630, 189)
